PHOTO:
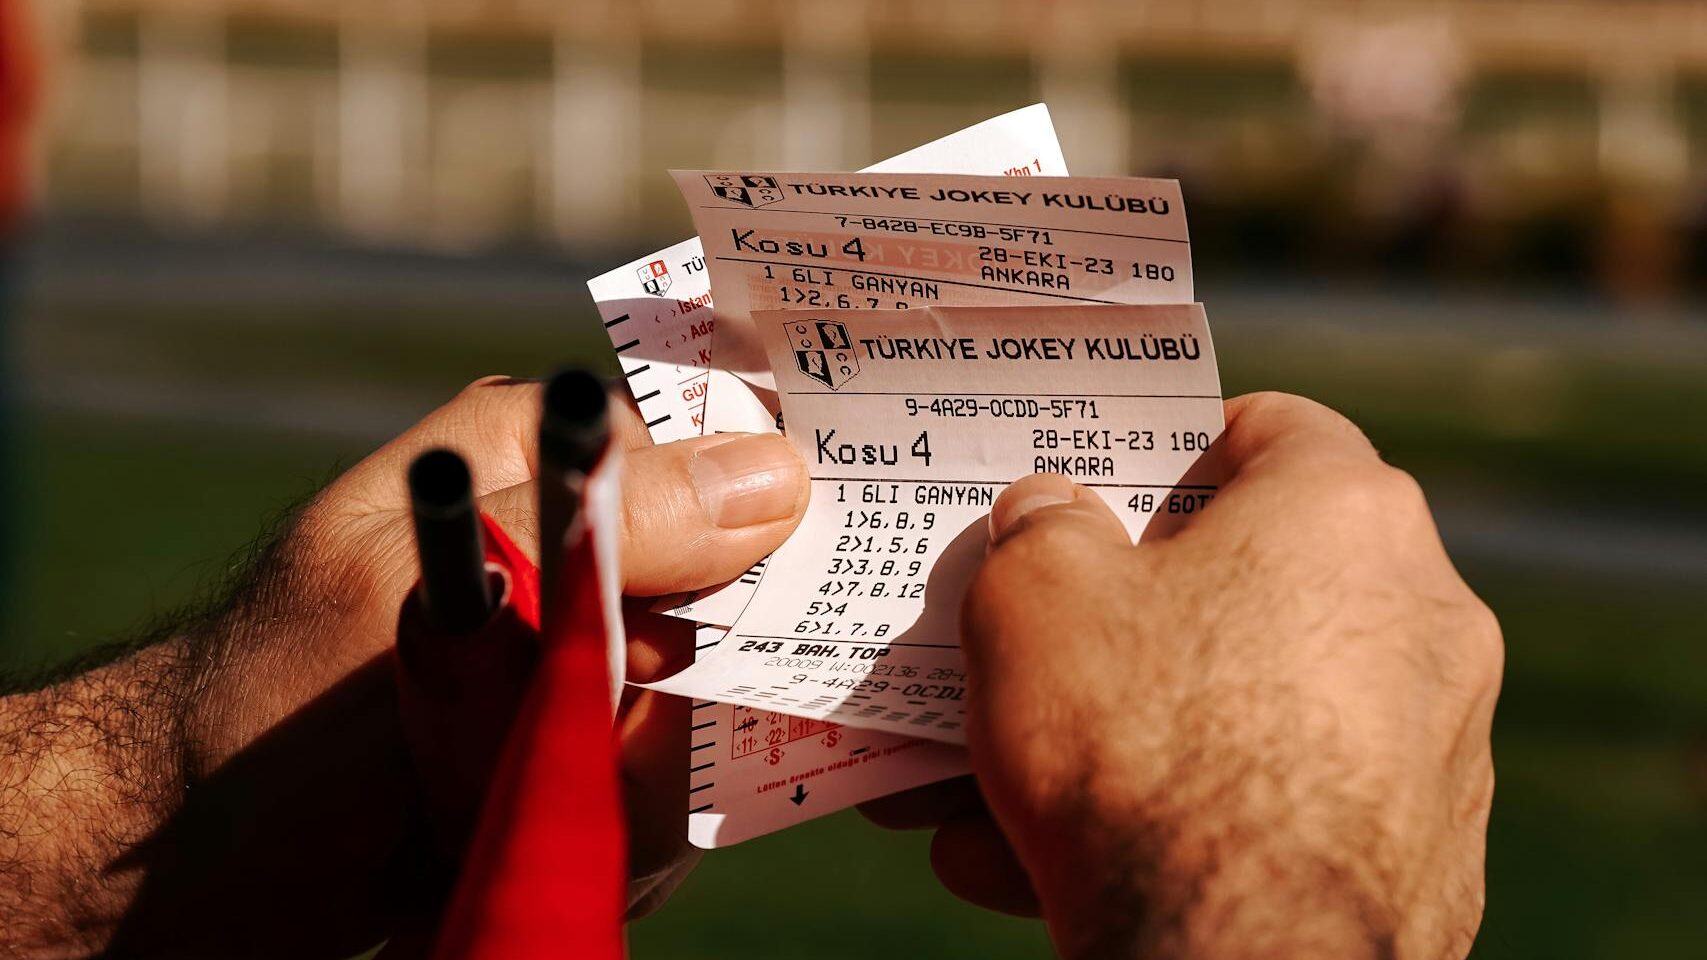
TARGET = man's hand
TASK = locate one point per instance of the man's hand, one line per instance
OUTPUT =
(1264, 735)
(242, 789)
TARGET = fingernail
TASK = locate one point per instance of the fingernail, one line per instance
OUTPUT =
(748, 480)
(1026, 495)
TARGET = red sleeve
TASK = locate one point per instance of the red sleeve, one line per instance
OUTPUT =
(19, 70)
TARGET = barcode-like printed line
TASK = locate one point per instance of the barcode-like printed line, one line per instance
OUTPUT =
(647, 397)
(612, 323)
(637, 371)
(700, 809)
(629, 345)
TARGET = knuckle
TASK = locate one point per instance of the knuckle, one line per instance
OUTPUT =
(1266, 402)
(1273, 405)
(493, 395)
(1467, 646)
(480, 384)
(1484, 642)
(1375, 495)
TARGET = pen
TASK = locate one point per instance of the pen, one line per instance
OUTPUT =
(574, 430)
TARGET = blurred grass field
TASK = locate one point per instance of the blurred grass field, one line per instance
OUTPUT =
(218, 413)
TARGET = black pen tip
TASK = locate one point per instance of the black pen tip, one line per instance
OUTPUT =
(439, 481)
(576, 422)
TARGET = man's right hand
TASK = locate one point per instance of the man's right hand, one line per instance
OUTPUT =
(1264, 735)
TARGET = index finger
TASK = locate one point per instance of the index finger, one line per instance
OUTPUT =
(493, 424)
(1265, 430)
(1279, 456)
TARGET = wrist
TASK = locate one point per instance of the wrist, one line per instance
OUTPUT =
(91, 769)
(1233, 871)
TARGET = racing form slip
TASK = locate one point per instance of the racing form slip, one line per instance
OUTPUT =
(657, 311)
(912, 422)
(778, 241)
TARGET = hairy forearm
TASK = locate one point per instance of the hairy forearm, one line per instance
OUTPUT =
(89, 768)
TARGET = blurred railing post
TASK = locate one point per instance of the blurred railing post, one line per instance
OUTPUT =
(382, 121)
(182, 149)
(1077, 65)
(1644, 158)
(1641, 132)
(826, 86)
(596, 102)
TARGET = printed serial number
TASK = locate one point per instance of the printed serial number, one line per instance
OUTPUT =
(921, 691)
(948, 228)
(1011, 408)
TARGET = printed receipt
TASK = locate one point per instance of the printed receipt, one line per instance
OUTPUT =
(657, 312)
(893, 241)
(912, 422)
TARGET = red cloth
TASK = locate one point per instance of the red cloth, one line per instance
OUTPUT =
(546, 874)
(18, 79)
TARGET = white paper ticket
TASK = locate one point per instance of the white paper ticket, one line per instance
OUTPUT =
(892, 241)
(912, 421)
(657, 309)
(756, 771)
(657, 312)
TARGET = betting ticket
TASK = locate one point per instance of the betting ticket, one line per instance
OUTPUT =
(892, 241)
(757, 770)
(911, 422)
(657, 311)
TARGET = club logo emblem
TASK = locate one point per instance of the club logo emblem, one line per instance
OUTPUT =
(823, 351)
(745, 189)
(655, 278)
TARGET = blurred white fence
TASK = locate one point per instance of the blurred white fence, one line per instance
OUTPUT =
(380, 123)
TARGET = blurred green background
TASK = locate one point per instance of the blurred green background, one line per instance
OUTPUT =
(1494, 276)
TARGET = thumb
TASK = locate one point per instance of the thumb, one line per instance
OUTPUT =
(1053, 501)
(695, 513)
(1052, 542)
